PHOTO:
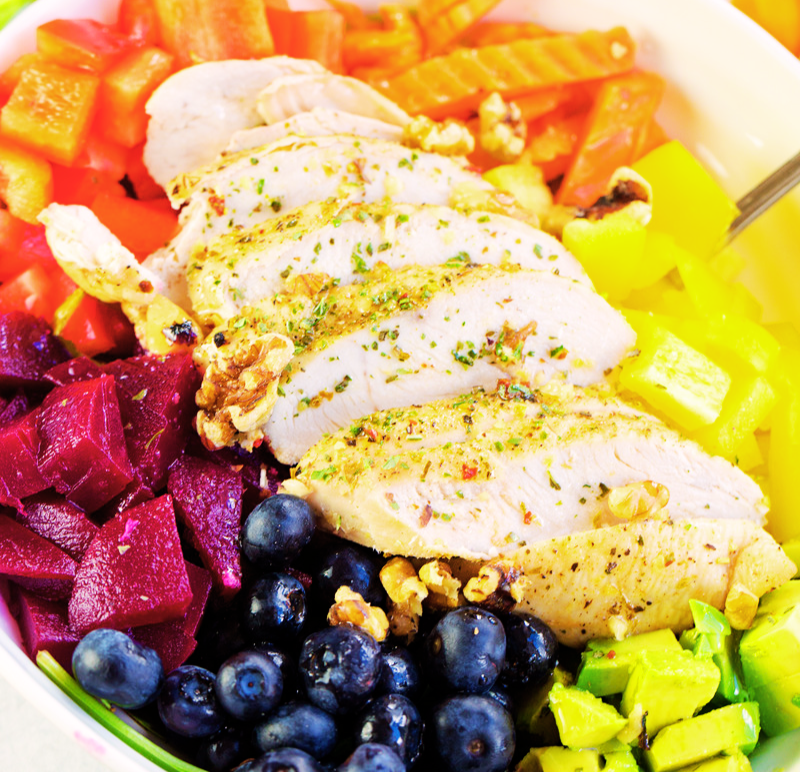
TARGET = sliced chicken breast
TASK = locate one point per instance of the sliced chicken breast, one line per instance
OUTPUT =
(477, 476)
(319, 122)
(347, 242)
(194, 113)
(640, 576)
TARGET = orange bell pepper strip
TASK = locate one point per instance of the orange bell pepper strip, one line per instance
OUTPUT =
(141, 226)
(82, 186)
(314, 35)
(398, 44)
(450, 25)
(211, 30)
(26, 182)
(613, 136)
(50, 111)
(445, 85)
(492, 33)
(654, 136)
(139, 21)
(81, 43)
(125, 89)
(10, 78)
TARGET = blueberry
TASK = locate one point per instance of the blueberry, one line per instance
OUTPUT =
(466, 649)
(372, 757)
(473, 733)
(248, 685)
(286, 760)
(188, 702)
(286, 664)
(222, 751)
(275, 608)
(339, 668)
(392, 720)
(399, 673)
(531, 649)
(354, 567)
(111, 666)
(276, 531)
(297, 725)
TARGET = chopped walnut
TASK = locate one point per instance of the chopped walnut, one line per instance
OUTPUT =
(442, 586)
(402, 584)
(307, 284)
(403, 622)
(240, 385)
(350, 608)
(450, 137)
(503, 131)
(637, 500)
(618, 626)
(497, 585)
(740, 606)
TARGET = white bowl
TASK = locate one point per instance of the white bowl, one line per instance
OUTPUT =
(734, 100)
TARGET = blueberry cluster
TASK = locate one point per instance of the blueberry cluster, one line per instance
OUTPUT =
(274, 688)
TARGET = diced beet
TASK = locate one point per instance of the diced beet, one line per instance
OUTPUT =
(156, 397)
(208, 501)
(200, 583)
(28, 349)
(83, 446)
(17, 406)
(171, 644)
(135, 492)
(133, 572)
(19, 470)
(54, 518)
(45, 627)
(73, 371)
(34, 562)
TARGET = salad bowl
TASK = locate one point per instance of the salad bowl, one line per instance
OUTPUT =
(733, 98)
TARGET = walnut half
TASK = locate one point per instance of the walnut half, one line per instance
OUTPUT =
(350, 608)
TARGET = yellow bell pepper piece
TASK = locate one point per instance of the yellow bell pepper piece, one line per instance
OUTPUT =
(525, 182)
(676, 379)
(663, 297)
(730, 336)
(785, 333)
(792, 550)
(783, 520)
(658, 259)
(726, 264)
(688, 204)
(748, 454)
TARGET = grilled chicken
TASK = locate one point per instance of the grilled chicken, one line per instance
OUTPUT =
(640, 576)
(417, 334)
(194, 112)
(293, 94)
(479, 475)
(345, 242)
(319, 122)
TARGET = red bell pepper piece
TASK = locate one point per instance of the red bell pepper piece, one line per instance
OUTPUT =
(91, 326)
(315, 35)
(51, 110)
(82, 43)
(139, 21)
(12, 233)
(32, 291)
(145, 187)
(26, 181)
(82, 186)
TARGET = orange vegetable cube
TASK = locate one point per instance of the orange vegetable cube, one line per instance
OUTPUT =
(145, 187)
(82, 43)
(82, 186)
(125, 89)
(314, 35)
(139, 21)
(26, 182)
(51, 110)
(103, 155)
(10, 78)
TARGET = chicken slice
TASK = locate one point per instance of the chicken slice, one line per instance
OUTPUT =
(347, 242)
(194, 112)
(293, 94)
(640, 576)
(319, 122)
(477, 476)
(419, 334)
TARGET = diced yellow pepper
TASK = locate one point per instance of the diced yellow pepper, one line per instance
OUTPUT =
(783, 520)
(729, 335)
(785, 333)
(658, 259)
(663, 298)
(609, 249)
(688, 204)
(748, 454)
(745, 303)
(525, 182)
(676, 379)
(726, 264)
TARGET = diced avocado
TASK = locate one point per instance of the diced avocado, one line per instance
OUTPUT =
(583, 720)
(620, 761)
(779, 601)
(707, 619)
(532, 717)
(724, 730)
(556, 759)
(737, 762)
(780, 704)
(770, 649)
(792, 550)
(722, 650)
(670, 686)
(606, 664)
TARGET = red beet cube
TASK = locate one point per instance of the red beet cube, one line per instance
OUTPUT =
(83, 446)
(208, 501)
(34, 562)
(58, 521)
(17, 406)
(200, 583)
(135, 492)
(19, 470)
(28, 349)
(133, 572)
(171, 644)
(45, 627)
(78, 369)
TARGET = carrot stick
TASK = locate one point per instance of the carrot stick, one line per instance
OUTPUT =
(450, 25)
(492, 33)
(445, 85)
(544, 101)
(430, 9)
(315, 35)
(397, 45)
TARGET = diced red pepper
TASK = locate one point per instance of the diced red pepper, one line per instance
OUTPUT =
(139, 21)
(308, 35)
(12, 233)
(82, 186)
(125, 89)
(30, 292)
(103, 155)
(144, 185)
(51, 111)
(81, 43)
(91, 326)
(26, 181)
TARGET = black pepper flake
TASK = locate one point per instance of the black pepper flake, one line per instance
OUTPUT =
(219, 339)
(610, 567)
(574, 567)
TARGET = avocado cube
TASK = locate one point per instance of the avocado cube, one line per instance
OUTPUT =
(583, 720)
(737, 762)
(724, 730)
(722, 650)
(770, 649)
(780, 704)
(532, 717)
(779, 601)
(620, 761)
(555, 759)
(606, 664)
(670, 686)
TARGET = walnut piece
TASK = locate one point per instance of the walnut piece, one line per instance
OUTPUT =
(403, 622)
(741, 606)
(450, 137)
(637, 500)
(503, 132)
(402, 584)
(497, 585)
(442, 586)
(350, 608)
